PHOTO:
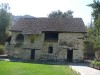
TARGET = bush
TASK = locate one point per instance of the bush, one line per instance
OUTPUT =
(1, 49)
(95, 64)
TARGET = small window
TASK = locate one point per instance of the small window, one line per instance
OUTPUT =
(50, 50)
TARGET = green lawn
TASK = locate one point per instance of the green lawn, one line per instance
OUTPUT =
(19, 68)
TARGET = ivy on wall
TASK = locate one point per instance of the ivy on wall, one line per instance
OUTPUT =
(31, 37)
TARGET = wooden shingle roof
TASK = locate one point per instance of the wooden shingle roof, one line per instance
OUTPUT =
(38, 25)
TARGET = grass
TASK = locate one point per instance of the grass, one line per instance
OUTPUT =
(19, 68)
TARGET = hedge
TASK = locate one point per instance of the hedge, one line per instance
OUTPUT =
(95, 64)
(1, 49)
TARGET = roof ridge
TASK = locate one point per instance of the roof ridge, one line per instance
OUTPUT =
(49, 18)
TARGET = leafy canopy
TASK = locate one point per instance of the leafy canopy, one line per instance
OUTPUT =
(5, 21)
(60, 14)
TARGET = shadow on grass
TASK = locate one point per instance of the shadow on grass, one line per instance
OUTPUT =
(49, 62)
(39, 62)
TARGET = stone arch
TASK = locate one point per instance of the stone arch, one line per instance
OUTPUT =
(20, 38)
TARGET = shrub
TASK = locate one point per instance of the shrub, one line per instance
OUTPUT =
(1, 49)
(95, 63)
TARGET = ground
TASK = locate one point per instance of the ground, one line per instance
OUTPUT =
(21, 68)
(84, 69)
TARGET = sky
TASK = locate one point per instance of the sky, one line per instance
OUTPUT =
(41, 8)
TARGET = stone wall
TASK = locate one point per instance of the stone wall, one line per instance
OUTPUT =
(41, 47)
(34, 45)
(77, 40)
(24, 51)
(61, 51)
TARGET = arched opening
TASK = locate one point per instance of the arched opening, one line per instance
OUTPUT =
(19, 38)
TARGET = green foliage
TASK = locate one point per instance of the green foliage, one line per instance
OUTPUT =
(97, 43)
(95, 63)
(96, 15)
(60, 14)
(19, 68)
(32, 38)
(1, 49)
(96, 9)
(95, 32)
(89, 49)
(93, 37)
(5, 21)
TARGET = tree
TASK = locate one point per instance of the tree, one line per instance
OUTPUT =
(89, 43)
(96, 16)
(5, 21)
(96, 9)
(59, 14)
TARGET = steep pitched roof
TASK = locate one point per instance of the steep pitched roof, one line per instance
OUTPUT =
(37, 25)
